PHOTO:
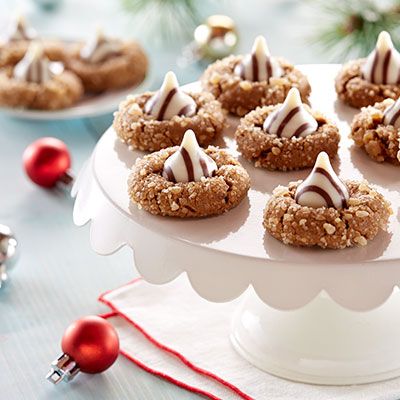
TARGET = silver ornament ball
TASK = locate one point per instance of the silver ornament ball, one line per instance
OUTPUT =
(8, 251)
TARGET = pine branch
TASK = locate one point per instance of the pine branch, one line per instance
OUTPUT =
(350, 28)
(171, 19)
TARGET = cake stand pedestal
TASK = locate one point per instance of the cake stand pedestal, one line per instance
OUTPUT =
(325, 317)
(321, 343)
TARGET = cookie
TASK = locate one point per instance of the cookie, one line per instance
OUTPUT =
(11, 53)
(233, 84)
(17, 38)
(139, 123)
(367, 81)
(323, 211)
(286, 147)
(195, 189)
(108, 64)
(379, 139)
(35, 82)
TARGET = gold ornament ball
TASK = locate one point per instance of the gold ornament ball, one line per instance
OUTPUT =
(217, 37)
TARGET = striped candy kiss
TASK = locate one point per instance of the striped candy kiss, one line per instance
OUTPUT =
(35, 67)
(291, 119)
(189, 163)
(19, 31)
(322, 188)
(259, 65)
(383, 64)
(170, 100)
(391, 116)
(100, 48)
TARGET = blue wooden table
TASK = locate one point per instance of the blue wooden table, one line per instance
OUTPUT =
(58, 276)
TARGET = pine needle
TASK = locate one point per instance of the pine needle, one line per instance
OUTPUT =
(350, 28)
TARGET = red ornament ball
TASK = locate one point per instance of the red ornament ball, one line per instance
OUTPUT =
(92, 342)
(46, 161)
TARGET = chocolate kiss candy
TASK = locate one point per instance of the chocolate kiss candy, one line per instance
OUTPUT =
(259, 65)
(35, 66)
(383, 63)
(19, 31)
(391, 115)
(291, 119)
(99, 48)
(322, 188)
(170, 100)
(190, 162)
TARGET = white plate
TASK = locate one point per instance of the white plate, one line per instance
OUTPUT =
(88, 106)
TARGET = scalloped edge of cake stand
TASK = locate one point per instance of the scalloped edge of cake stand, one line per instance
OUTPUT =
(280, 285)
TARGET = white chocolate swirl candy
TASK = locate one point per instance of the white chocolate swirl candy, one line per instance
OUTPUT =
(291, 119)
(99, 48)
(383, 63)
(322, 188)
(170, 100)
(35, 67)
(391, 116)
(19, 31)
(259, 65)
(189, 163)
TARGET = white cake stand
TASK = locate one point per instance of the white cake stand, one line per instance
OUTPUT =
(326, 317)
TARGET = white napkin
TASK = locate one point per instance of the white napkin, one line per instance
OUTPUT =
(172, 332)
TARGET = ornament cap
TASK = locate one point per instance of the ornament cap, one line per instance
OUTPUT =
(64, 368)
(8, 249)
(66, 178)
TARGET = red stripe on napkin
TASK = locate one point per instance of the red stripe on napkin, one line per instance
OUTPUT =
(116, 312)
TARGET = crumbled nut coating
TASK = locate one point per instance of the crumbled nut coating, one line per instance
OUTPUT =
(141, 131)
(60, 92)
(354, 90)
(127, 69)
(11, 53)
(275, 153)
(239, 96)
(381, 142)
(291, 223)
(210, 196)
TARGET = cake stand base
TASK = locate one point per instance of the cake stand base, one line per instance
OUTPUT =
(321, 343)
